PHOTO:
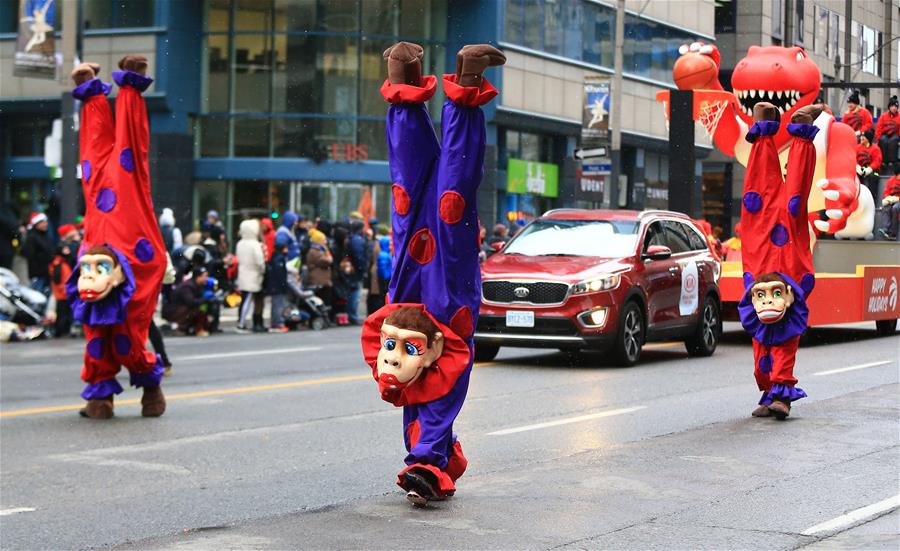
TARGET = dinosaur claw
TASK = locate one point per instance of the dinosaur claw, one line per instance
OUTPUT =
(831, 195)
(820, 225)
(835, 214)
(822, 184)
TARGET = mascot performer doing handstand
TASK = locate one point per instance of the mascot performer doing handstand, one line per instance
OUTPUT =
(420, 346)
(114, 290)
(778, 267)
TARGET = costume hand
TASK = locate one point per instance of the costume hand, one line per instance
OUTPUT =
(860, 170)
(840, 201)
(867, 171)
(892, 199)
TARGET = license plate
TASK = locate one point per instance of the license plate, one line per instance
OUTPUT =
(519, 318)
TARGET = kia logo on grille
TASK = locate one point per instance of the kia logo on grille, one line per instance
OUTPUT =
(521, 292)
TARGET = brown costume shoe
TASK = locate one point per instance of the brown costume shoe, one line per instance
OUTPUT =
(807, 114)
(85, 72)
(134, 63)
(780, 409)
(765, 111)
(153, 402)
(761, 411)
(404, 61)
(472, 60)
(98, 408)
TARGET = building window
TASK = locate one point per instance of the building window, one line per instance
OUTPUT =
(820, 31)
(799, 22)
(584, 31)
(867, 46)
(777, 19)
(725, 16)
(112, 14)
(291, 78)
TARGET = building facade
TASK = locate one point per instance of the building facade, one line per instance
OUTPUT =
(265, 105)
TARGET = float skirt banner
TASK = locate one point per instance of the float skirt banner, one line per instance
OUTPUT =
(35, 45)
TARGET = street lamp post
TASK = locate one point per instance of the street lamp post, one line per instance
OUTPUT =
(616, 119)
(69, 190)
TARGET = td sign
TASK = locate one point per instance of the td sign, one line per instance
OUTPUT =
(532, 177)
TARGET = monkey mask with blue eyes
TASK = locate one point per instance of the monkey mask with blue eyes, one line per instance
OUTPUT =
(99, 274)
(410, 343)
(771, 296)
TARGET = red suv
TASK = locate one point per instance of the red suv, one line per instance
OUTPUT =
(609, 280)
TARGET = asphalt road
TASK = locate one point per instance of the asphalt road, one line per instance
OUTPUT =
(281, 441)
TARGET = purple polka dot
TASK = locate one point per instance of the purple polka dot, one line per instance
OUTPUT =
(106, 199)
(85, 170)
(126, 159)
(779, 235)
(95, 348)
(748, 280)
(123, 344)
(807, 283)
(143, 250)
(794, 205)
(752, 202)
(765, 364)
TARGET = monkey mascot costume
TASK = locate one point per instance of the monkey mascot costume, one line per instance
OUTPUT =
(114, 289)
(777, 258)
(420, 345)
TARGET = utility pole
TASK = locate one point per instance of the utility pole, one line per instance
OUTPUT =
(616, 105)
(848, 30)
(69, 188)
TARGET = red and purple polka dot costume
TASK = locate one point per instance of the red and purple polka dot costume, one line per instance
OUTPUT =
(435, 238)
(776, 239)
(119, 214)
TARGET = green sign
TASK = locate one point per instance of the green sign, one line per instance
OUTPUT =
(531, 177)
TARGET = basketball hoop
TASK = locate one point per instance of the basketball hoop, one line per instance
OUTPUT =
(709, 106)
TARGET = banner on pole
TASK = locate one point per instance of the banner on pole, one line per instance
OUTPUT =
(596, 113)
(35, 44)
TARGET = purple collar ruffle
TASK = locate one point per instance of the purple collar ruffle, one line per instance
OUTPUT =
(129, 78)
(781, 392)
(93, 87)
(762, 128)
(803, 131)
(793, 324)
(109, 310)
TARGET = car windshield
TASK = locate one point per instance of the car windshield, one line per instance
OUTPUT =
(600, 238)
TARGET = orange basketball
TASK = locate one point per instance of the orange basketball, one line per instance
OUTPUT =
(695, 71)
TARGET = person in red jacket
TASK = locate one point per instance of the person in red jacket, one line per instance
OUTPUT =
(890, 203)
(857, 117)
(868, 161)
(887, 132)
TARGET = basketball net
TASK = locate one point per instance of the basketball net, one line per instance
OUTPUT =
(709, 111)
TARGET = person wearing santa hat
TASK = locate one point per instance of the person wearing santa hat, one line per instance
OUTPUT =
(39, 251)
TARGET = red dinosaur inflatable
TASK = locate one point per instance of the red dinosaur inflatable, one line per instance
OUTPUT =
(788, 79)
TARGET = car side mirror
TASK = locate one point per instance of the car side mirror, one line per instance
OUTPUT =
(657, 252)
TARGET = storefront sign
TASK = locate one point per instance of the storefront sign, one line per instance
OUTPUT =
(35, 45)
(596, 113)
(590, 187)
(532, 177)
(880, 288)
(348, 152)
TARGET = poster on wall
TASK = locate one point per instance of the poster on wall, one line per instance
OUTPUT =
(532, 177)
(596, 112)
(35, 44)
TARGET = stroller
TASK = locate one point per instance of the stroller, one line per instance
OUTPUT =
(305, 307)
(21, 305)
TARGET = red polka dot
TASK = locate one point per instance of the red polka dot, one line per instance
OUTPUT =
(452, 207)
(401, 199)
(461, 322)
(422, 246)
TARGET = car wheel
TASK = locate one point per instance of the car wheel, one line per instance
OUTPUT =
(629, 335)
(709, 328)
(885, 328)
(485, 352)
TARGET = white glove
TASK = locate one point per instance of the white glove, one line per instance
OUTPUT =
(859, 170)
(867, 171)
(891, 199)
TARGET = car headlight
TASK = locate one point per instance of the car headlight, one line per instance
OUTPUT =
(603, 283)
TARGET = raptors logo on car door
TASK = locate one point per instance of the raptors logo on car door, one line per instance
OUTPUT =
(690, 289)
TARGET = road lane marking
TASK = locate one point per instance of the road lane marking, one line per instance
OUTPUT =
(96, 460)
(247, 353)
(16, 510)
(207, 393)
(851, 368)
(568, 420)
(854, 517)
